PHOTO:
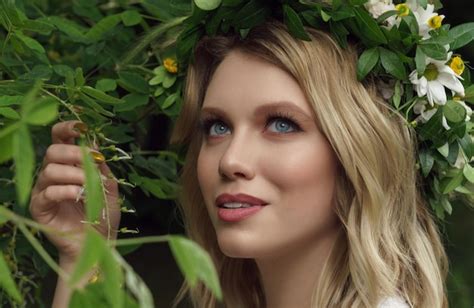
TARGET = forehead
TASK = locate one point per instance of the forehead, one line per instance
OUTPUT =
(243, 81)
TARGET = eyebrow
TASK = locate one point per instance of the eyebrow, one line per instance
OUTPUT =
(263, 109)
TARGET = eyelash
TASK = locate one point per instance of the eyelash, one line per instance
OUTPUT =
(207, 123)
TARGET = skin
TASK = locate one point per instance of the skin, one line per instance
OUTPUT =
(291, 167)
(53, 201)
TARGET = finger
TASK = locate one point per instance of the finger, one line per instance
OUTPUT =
(68, 154)
(65, 132)
(53, 174)
(48, 199)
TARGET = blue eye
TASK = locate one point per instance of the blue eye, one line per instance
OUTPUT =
(283, 125)
(279, 123)
(219, 128)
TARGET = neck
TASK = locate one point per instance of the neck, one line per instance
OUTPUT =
(290, 279)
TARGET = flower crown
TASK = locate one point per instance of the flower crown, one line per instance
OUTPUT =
(406, 48)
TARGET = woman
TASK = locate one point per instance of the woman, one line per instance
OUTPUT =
(299, 180)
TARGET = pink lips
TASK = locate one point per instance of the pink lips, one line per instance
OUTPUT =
(242, 198)
(234, 215)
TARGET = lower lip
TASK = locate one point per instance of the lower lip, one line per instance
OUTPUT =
(233, 215)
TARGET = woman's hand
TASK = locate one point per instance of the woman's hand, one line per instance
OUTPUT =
(54, 197)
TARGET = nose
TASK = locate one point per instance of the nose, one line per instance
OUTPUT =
(237, 160)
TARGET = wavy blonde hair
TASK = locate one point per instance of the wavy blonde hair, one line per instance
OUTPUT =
(389, 244)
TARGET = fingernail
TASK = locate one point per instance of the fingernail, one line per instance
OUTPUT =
(81, 127)
(97, 156)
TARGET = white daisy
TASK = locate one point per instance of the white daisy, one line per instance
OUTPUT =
(378, 7)
(437, 75)
(427, 19)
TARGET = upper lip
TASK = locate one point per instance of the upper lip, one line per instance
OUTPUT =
(242, 198)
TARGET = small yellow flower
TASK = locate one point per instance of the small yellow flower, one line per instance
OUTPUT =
(414, 123)
(457, 65)
(171, 65)
(403, 9)
(435, 21)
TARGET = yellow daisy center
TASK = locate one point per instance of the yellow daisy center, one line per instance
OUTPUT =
(403, 9)
(457, 65)
(170, 65)
(435, 22)
(456, 98)
(431, 72)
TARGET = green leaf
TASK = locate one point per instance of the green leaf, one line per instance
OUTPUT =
(468, 172)
(29, 42)
(24, 158)
(132, 101)
(369, 27)
(96, 107)
(392, 64)
(169, 80)
(79, 77)
(434, 51)
(9, 113)
(462, 35)
(468, 94)
(73, 31)
(367, 61)
(94, 190)
(113, 276)
(160, 73)
(106, 24)
(106, 85)
(454, 111)
(6, 144)
(446, 205)
(6, 281)
(444, 149)
(7, 100)
(426, 162)
(133, 82)
(447, 185)
(39, 26)
(41, 112)
(294, 23)
(207, 5)
(170, 100)
(195, 263)
(101, 96)
(93, 249)
(420, 61)
(131, 18)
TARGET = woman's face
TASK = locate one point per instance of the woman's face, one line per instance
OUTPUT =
(260, 139)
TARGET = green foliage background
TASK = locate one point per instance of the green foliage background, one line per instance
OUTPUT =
(102, 62)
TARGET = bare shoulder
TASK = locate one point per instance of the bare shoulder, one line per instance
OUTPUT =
(393, 302)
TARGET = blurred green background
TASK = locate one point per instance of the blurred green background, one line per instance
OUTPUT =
(157, 267)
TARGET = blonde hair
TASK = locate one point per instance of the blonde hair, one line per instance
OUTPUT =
(389, 244)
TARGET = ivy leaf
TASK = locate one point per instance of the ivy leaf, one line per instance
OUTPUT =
(24, 158)
(294, 23)
(195, 263)
(367, 61)
(6, 281)
(392, 64)
(462, 35)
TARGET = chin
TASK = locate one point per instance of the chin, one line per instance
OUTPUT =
(238, 245)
